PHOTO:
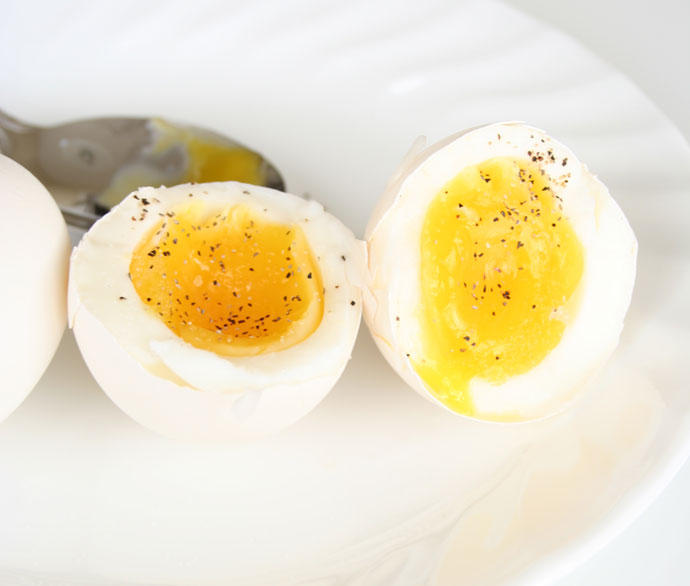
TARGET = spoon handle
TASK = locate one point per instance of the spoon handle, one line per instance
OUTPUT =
(13, 125)
(10, 130)
(20, 142)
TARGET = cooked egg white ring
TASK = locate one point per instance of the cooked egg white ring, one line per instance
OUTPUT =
(598, 307)
(183, 391)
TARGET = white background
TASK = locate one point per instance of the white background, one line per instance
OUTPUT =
(649, 42)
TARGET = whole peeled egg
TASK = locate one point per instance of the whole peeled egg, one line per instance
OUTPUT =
(500, 272)
(216, 311)
(35, 246)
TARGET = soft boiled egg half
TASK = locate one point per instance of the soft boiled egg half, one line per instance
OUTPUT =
(500, 272)
(216, 311)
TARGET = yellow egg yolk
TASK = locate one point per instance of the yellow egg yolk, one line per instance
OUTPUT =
(232, 282)
(499, 263)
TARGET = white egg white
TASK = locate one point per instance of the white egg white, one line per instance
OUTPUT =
(595, 314)
(185, 392)
(35, 245)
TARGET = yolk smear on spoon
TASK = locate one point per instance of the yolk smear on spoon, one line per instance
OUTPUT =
(208, 158)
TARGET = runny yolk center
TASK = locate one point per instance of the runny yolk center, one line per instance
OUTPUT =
(231, 282)
(499, 262)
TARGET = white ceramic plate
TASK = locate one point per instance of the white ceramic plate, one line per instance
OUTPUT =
(376, 486)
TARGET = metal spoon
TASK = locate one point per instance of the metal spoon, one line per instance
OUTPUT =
(90, 165)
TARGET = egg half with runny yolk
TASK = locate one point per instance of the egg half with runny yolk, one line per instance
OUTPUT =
(216, 311)
(500, 272)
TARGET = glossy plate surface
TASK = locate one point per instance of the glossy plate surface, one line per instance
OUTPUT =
(376, 486)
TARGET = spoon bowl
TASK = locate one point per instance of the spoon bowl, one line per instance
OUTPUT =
(91, 165)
